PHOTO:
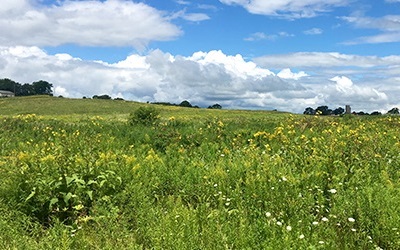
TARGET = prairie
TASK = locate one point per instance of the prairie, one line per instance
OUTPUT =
(77, 174)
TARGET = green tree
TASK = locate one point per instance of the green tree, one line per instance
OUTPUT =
(215, 106)
(338, 111)
(309, 111)
(10, 85)
(42, 88)
(393, 111)
(185, 104)
(27, 89)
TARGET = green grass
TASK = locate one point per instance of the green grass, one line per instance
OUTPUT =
(77, 175)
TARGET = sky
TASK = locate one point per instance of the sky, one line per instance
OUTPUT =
(242, 54)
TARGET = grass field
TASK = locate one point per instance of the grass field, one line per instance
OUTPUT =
(76, 174)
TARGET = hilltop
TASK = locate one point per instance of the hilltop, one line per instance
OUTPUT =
(49, 106)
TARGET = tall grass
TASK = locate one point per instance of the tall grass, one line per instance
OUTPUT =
(239, 180)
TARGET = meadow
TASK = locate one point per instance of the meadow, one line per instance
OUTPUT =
(78, 174)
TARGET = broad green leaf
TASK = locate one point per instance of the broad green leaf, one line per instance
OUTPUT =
(90, 194)
(67, 197)
(52, 202)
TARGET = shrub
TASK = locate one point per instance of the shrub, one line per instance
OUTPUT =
(144, 115)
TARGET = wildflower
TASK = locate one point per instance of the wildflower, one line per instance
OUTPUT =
(321, 242)
(289, 228)
(301, 236)
(332, 191)
(268, 214)
(351, 219)
(353, 230)
(325, 219)
(315, 223)
(279, 223)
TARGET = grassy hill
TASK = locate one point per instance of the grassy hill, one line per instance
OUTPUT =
(68, 108)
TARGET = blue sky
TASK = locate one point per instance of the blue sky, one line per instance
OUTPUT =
(255, 54)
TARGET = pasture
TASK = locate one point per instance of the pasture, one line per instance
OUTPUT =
(75, 174)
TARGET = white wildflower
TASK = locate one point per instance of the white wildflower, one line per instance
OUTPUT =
(332, 191)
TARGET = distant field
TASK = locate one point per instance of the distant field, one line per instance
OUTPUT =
(92, 174)
(76, 108)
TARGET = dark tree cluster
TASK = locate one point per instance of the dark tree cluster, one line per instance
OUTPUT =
(186, 104)
(323, 110)
(26, 89)
(105, 97)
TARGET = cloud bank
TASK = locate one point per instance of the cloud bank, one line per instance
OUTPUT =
(205, 78)
(87, 23)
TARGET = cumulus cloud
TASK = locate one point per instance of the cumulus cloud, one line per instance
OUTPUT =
(288, 8)
(88, 23)
(203, 78)
(347, 91)
(288, 74)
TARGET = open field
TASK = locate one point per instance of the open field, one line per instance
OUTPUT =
(76, 175)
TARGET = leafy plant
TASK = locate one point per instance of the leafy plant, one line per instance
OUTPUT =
(144, 115)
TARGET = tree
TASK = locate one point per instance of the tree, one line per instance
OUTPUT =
(9, 85)
(309, 111)
(42, 88)
(215, 106)
(27, 89)
(323, 110)
(106, 97)
(338, 111)
(185, 104)
(393, 111)
(376, 113)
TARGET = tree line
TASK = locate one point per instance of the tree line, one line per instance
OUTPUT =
(36, 88)
(325, 110)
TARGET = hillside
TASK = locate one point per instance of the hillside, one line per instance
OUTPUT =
(77, 108)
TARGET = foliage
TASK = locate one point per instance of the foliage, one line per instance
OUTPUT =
(185, 104)
(105, 97)
(203, 179)
(393, 111)
(215, 106)
(144, 115)
(36, 88)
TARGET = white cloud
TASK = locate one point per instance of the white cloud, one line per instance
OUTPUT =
(206, 78)
(313, 31)
(196, 17)
(325, 60)
(389, 26)
(288, 8)
(288, 74)
(83, 22)
(347, 91)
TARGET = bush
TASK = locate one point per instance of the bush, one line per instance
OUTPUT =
(144, 115)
